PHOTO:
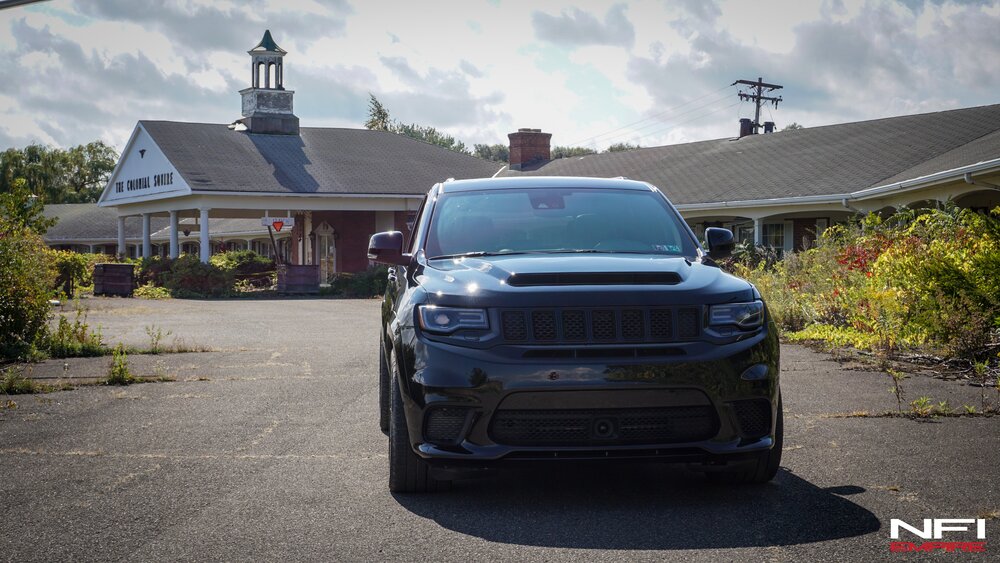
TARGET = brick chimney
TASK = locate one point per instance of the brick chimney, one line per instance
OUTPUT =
(529, 146)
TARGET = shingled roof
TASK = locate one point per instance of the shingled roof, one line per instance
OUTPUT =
(827, 160)
(88, 222)
(214, 158)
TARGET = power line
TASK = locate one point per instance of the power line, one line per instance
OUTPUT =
(654, 116)
(661, 121)
(695, 118)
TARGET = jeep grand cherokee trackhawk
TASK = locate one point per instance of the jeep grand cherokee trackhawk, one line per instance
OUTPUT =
(568, 319)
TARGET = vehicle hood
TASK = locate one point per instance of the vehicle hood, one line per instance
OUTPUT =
(583, 280)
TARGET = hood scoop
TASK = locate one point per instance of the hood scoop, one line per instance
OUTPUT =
(593, 278)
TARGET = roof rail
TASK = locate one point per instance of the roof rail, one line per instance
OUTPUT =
(450, 180)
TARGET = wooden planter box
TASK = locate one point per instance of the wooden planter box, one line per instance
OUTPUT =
(114, 279)
(298, 279)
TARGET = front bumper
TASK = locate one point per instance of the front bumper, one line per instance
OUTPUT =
(721, 379)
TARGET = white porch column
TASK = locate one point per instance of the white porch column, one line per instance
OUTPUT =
(758, 232)
(174, 248)
(206, 244)
(122, 249)
(146, 245)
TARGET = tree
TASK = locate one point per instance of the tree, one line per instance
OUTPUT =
(622, 147)
(378, 116)
(76, 175)
(567, 152)
(379, 120)
(88, 169)
(429, 135)
(22, 210)
(497, 152)
(792, 127)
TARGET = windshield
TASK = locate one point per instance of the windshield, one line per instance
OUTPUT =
(555, 220)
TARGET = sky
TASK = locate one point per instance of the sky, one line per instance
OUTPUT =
(592, 73)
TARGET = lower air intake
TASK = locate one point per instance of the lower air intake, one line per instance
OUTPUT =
(605, 427)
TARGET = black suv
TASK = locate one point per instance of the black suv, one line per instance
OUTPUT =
(570, 319)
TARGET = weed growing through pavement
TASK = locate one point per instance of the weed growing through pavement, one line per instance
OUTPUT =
(156, 335)
(74, 339)
(14, 383)
(897, 387)
(119, 372)
(922, 407)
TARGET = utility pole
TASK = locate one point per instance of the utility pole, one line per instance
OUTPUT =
(756, 93)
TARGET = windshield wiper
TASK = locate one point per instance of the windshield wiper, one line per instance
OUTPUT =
(474, 254)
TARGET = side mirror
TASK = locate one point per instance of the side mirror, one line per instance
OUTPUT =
(720, 242)
(387, 248)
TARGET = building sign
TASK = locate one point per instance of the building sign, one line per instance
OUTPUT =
(144, 183)
(277, 223)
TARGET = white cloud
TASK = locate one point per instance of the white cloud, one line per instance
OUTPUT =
(75, 71)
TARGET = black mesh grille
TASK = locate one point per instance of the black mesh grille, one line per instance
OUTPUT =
(754, 416)
(583, 427)
(574, 325)
(661, 325)
(607, 325)
(543, 325)
(514, 327)
(687, 323)
(603, 325)
(633, 324)
(445, 424)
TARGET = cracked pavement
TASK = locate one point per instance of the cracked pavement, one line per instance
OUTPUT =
(267, 447)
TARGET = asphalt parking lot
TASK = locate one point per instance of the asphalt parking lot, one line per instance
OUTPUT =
(267, 448)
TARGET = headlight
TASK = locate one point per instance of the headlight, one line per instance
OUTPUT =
(449, 319)
(743, 315)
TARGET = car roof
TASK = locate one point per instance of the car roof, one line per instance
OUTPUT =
(543, 182)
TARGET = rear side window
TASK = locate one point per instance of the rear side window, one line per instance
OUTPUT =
(553, 220)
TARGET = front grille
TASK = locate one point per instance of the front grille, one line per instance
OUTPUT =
(514, 327)
(754, 416)
(601, 325)
(604, 427)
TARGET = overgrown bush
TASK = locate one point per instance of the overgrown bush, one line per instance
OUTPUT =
(150, 291)
(72, 268)
(189, 277)
(27, 276)
(370, 283)
(927, 278)
(152, 270)
(247, 267)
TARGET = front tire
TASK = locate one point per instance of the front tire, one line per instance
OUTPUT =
(408, 473)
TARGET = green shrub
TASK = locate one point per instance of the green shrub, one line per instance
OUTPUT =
(921, 278)
(242, 262)
(153, 270)
(27, 276)
(370, 283)
(72, 268)
(150, 291)
(251, 270)
(189, 277)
